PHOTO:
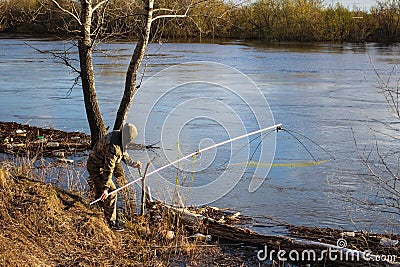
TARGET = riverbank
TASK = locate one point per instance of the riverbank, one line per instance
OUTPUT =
(255, 20)
(43, 225)
(48, 226)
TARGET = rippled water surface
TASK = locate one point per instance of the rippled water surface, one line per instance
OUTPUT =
(326, 92)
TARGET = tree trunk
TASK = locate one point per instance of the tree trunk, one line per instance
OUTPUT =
(85, 46)
(131, 78)
(131, 75)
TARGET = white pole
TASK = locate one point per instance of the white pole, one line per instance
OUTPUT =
(277, 126)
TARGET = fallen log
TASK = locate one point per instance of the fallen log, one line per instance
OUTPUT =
(292, 249)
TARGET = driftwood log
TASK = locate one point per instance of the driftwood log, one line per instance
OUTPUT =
(341, 256)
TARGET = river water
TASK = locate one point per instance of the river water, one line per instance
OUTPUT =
(328, 93)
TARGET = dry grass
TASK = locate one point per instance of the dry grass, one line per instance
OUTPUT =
(42, 225)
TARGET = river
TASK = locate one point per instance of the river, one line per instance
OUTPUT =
(328, 93)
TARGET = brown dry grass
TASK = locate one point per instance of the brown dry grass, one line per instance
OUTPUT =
(42, 225)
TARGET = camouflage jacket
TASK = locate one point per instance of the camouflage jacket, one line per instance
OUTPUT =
(107, 153)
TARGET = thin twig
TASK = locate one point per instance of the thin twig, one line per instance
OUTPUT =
(64, 58)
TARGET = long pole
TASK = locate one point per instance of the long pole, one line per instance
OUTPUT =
(277, 126)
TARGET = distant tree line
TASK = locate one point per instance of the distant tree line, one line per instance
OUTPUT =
(270, 20)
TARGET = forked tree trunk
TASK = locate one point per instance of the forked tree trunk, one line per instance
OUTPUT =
(85, 46)
(133, 69)
(96, 124)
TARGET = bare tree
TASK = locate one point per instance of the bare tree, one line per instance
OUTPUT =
(382, 163)
(85, 47)
(90, 16)
(382, 176)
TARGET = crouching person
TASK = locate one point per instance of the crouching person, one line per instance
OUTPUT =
(107, 152)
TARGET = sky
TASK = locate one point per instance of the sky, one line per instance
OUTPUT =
(363, 4)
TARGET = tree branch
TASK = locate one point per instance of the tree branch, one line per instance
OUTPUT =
(102, 17)
(163, 9)
(67, 11)
(169, 16)
(175, 15)
(64, 58)
(379, 180)
(99, 5)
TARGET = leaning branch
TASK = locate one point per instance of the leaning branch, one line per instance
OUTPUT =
(184, 15)
(99, 5)
(163, 9)
(67, 11)
(64, 58)
(169, 16)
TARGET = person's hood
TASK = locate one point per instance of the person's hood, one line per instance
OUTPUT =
(129, 133)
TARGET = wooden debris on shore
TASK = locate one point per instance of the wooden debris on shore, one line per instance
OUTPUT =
(380, 244)
(22, 139)
(210, 221)
(225, 215)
